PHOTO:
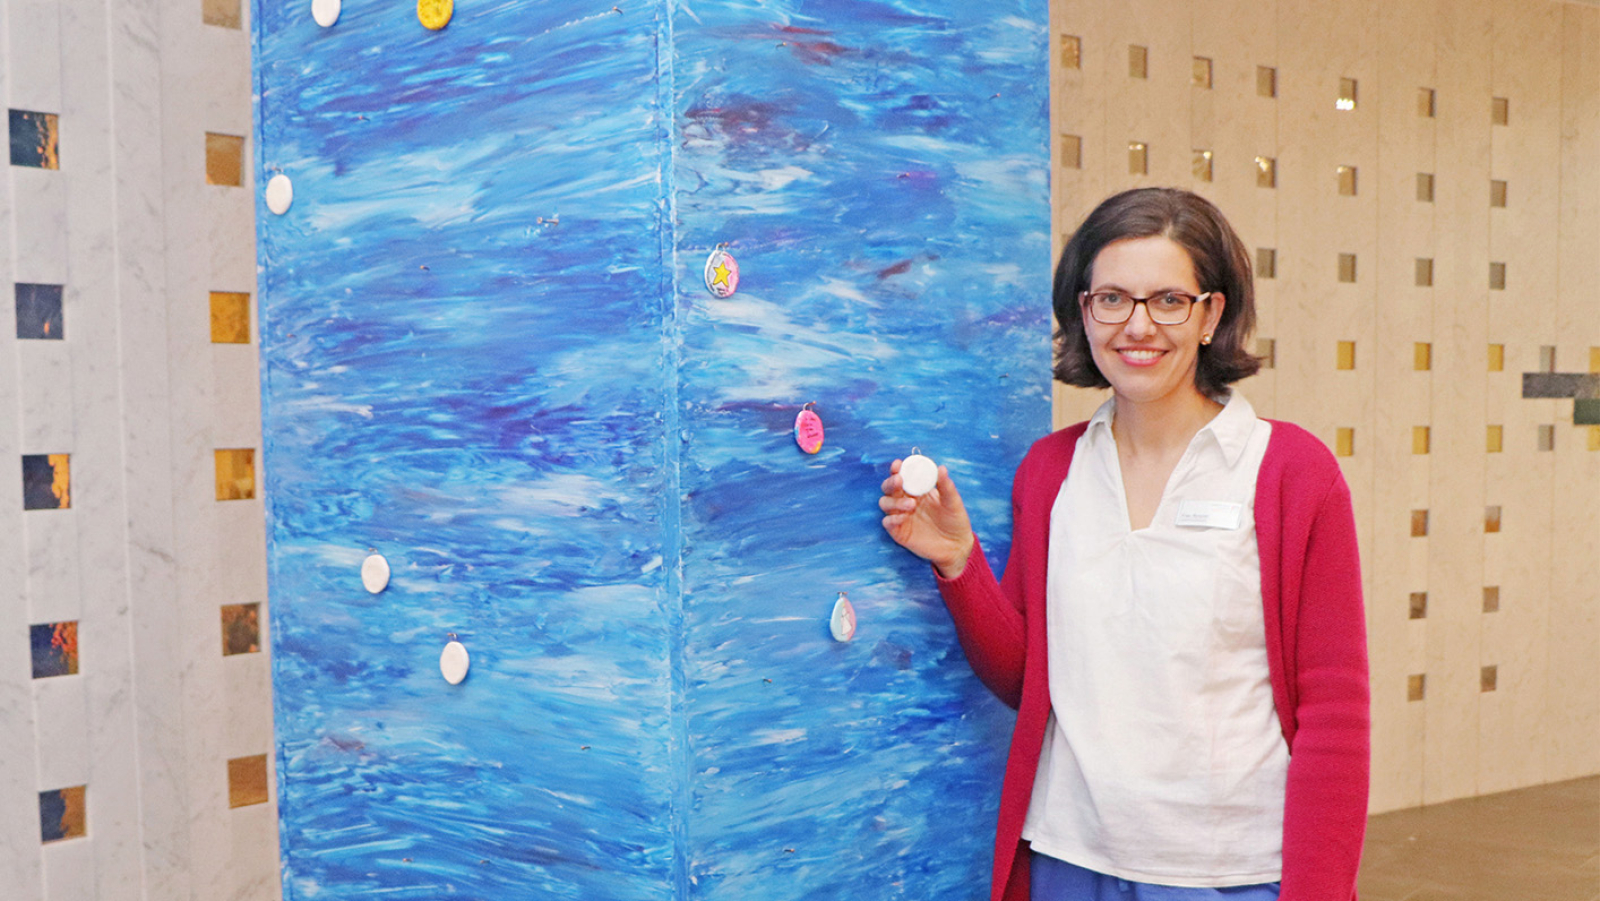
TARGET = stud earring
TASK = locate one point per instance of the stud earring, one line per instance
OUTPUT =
(1205, 339)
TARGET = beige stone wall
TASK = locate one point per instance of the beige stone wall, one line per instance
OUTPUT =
(1347, 353)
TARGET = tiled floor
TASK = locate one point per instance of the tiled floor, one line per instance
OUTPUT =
(1535, 844)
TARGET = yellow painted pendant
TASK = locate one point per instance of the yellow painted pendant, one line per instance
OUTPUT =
(435, 14)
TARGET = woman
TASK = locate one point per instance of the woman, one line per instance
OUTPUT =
(1180, 624)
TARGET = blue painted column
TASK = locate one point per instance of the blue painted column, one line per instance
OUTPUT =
(489, 355)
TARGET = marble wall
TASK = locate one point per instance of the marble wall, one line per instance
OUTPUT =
(127, 730)
(1485, 631)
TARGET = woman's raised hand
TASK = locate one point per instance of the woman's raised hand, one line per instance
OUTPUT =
(935, 526)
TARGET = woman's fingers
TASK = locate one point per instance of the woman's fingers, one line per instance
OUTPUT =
(890, 503)
(891, 485)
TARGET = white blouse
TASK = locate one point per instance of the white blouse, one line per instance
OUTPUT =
(1163, 761)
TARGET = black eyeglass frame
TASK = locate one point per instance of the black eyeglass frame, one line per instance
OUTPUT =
(1086, 299)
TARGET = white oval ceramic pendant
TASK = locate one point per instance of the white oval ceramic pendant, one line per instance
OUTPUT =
(918, 475)
(722, 273)
(454, 662)
(375, 573)
(808, 431)
(326, 12)
(280, 194)
(843, 622)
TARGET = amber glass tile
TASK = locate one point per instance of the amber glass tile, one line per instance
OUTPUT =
(1071, 151)
(1416, 687)
(223, 13)
(1424, 272)
(1425, 187)
(1500, 111)
(1266, 262)
(1427, 102)
(241, 629)
(1345, 442)
(1347, 95)
(1497, 358)
(1594, 437)
(230, 317)
(1345, 357)
(1491, 518)
(1497, 276)
(1201, 75)
(35, 139)
(1347, 267)
(247, 781)
(1419, 523)
(1422, 356)
(63, 814)
(1266, 172)
(1202, 165)
(1138, 61)
(1491, 598)
(1267, 350)
(1070, 51)
(1266, 81)
(1419, 605)
(1547, 358)
(1495, 440)
(1488, 678)
(54, 649)
(1497, 193)
(1347, 181)
(1594, 359)
(1138, 158)
(236, 474)
(224, 160)
(1420, 439)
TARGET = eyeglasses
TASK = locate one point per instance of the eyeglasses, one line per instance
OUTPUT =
(1166, 308)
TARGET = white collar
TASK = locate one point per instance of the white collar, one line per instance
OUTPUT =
(1230, 428)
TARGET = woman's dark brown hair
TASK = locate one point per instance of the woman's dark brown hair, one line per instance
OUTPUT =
(1221, 264)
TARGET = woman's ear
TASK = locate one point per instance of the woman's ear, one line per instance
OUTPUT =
(1214, 306)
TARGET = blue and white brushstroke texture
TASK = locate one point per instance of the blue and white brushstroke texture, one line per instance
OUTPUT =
(580, 462)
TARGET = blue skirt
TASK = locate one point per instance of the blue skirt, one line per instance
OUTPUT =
(1057, 880)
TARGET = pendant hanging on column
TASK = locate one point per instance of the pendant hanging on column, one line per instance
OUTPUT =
(808, 429)
(722, 272)
(843, 622)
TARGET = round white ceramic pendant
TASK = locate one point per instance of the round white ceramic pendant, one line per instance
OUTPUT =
(375, 573)
(280, 194)
(843, 622)
(918, 475)
(326, 12)
(454, 662)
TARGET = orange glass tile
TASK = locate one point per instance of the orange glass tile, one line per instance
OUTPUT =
(247, 781)
(236, 474)
(230, 317)
(224, 160)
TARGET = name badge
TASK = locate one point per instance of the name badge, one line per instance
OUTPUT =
(1210, 515)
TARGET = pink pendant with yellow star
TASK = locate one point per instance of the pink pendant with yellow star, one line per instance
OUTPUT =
(722, 273)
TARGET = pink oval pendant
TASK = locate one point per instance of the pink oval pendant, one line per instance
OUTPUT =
(808, 431)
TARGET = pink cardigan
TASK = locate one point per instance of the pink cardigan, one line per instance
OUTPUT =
(1316, 650)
